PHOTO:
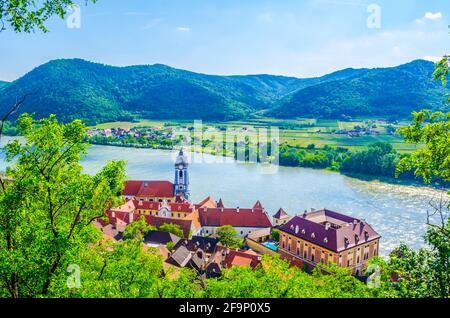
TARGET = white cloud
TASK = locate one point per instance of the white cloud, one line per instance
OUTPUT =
(183, 29)
(430, 16)
(433, 16)
(434, 59)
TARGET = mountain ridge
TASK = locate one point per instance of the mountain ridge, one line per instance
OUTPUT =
(95, 92)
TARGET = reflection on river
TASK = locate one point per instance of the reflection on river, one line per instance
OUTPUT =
(397, 212)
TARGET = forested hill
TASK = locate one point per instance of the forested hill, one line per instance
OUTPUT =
(3, 83)
(97, 93)
(384, 92)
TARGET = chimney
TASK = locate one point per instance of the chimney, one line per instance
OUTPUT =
(113, 214)
(237, 210)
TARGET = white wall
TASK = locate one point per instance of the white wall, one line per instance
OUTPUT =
(241, 231)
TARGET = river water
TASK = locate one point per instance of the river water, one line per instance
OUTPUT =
(397, 212)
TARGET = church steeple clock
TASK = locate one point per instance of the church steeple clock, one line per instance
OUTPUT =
(181, 183)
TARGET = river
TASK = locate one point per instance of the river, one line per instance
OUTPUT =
(397, 212)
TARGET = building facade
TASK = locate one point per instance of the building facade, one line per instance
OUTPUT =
(328, 237)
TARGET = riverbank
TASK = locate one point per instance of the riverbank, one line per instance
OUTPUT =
(356, 175)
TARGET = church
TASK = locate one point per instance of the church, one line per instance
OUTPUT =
(161, 201)
(162, 191)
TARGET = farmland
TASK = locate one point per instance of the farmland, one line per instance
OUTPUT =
(297, 132)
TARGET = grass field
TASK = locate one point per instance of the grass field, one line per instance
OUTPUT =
(305, 132)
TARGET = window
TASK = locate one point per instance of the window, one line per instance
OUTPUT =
(207, 231)
(180, 173)
(357, 260)
(283, 245)
(242, 232)
(298, 250)
(312, 257)
(305, 254)
(179, 215)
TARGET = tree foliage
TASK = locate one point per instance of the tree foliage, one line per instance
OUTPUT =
(227, 235)
(172, 228)
(48, 204)
(29, 15)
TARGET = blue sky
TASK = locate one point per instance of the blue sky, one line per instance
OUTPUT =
(287, 37)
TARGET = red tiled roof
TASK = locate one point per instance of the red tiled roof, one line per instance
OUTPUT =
(132, 188)
(234, 217)
(241, 258)
(207, 202)
(149, 188)
(147, 205)
(185, 225)
(151, 220)
(181, 207)
(258, 205)
(345, 231)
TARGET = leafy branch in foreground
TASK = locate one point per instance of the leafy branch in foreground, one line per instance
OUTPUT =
(48, 204)
(27, 15)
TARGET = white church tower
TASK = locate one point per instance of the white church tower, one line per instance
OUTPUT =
(181, 183)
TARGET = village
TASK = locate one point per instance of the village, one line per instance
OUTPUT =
(193, 235)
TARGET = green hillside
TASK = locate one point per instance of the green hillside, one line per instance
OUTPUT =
(373, 92)
(100, 93)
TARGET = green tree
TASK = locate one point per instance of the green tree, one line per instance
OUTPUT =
(27, 15)
(48, 204)
(433, 131)
(275, 235)
(431, 162)
(227, 235)
(137, 229)
(172, 228)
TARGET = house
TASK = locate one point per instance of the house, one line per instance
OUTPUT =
(325, 236)
(182, 257)
(280, 217)
(188, 226)
(228, 257)
(244, 221)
